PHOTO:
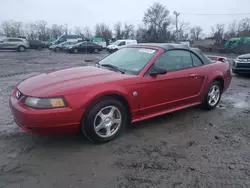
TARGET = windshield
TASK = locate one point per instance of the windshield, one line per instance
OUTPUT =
(116, 42)
(131, 60)
(79, 43)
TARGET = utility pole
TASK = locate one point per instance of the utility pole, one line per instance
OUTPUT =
(177, 14)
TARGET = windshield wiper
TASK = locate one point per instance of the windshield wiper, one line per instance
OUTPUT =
(113, 67)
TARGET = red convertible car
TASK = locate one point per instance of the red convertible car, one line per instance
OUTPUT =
(135, 83)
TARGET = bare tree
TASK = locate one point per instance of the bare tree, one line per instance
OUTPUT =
(102, 30)
(195, 33)
(31, 31)
(87, 33)
(57, 30)
(13, 29)
(141, 34)
(232, 30)
(78, 31)
(218, 32)
(128, 32)
(42, 30)
(157, 20)
(118, 30)
(244, 28)
(183, 31)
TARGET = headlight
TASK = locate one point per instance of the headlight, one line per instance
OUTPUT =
(45, 103)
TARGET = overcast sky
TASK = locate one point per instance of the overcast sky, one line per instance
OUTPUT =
(88, 13)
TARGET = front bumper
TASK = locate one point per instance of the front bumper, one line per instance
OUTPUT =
(111, 50)
(45, 121)
(241, 70)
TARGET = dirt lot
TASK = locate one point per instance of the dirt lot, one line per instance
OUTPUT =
(189, 148)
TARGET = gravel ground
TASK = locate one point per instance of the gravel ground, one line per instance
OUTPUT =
(189, 148)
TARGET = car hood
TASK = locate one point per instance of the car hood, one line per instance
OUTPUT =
(67, 81)
(111, 46)
(53, 46)
(244, 56)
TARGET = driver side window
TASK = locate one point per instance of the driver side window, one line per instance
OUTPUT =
(122, 43)
(174, 60)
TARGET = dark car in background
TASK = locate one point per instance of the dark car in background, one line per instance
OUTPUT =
(241, 65)
(62, 46)
(85, 46)
(36, 44)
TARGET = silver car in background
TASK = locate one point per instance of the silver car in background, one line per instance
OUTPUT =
(61, 46)
(10, 43)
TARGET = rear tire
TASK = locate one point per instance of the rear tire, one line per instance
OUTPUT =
(104, 120)
(21, 48)
(213, 96)
(57, 49)
(96, 51)
(39, 48)
(75, 50)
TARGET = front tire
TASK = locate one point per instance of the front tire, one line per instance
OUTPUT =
(213, 96)
(104, 121)
(21, 48)
(57, 49)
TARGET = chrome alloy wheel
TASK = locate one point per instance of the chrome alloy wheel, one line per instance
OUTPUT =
(107, 121)
(214, 95)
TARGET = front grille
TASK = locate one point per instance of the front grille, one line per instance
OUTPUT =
(243, 65)
(19, 95)
(244, 60)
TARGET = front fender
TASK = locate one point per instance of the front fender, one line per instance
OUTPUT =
(85, 98)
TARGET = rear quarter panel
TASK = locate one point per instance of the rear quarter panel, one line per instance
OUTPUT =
(217, 70)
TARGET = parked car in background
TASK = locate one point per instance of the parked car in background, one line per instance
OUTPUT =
(119, 44)
(36, 44)
(10, 43)
(84, 47)
(241, 65)
(64, 38)
(62, 46)
(215, 58)
(133, 84)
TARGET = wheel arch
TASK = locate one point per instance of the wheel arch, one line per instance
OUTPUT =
(21, 46)
(113, 95)
(220, 80)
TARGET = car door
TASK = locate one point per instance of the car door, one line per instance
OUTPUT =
(13, 43)
(121, 44)
(178, 87)
(83, 47)
(90, 47)
(4, 44)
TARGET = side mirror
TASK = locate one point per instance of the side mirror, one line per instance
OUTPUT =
(157, 71)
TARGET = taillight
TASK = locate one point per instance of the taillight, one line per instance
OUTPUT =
(222, 59)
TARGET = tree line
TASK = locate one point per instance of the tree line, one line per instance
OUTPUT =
(157, 26)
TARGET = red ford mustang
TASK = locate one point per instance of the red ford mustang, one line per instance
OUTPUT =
(135, 83)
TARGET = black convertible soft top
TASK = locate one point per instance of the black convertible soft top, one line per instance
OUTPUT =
(172, 46)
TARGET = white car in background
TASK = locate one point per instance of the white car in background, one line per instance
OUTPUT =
(119, 44)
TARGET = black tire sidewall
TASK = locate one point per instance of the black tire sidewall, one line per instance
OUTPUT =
(57, 49)
(87, 124)
(74, 50)
(19, 48)
(206, 104)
